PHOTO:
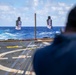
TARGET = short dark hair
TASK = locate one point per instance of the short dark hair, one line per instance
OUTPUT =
(48, 17)
(19, 18)
(71, 20)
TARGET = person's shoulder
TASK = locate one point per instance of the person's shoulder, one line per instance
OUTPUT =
(40, 53)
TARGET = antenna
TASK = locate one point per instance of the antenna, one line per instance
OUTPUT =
(35, 25)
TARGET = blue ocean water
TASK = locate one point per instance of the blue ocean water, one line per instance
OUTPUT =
(27, 32)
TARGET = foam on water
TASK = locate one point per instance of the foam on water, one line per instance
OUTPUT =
(27, 32)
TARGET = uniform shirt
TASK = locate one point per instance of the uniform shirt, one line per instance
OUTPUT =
(58, 58)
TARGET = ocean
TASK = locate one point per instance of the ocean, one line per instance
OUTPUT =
(27, 33)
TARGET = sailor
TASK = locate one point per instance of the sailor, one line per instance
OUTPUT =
(18, 23)
(49, 22)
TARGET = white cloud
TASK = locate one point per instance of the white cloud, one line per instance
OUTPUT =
(9, 13)
(54, 8)
(25, 8)
(54, 17)
(61, 4)
(43, 8)
(61, 12)
(36, 2)
(34, 5)
(58, 9)
(4, 8)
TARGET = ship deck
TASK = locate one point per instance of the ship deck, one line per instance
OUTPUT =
(16, 55)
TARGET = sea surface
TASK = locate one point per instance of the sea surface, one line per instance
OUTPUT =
(28, 32)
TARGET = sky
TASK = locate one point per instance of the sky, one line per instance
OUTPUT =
(57, 9)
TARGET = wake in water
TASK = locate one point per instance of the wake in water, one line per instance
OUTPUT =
(27, 32)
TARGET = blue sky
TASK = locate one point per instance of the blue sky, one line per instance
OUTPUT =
(57, 9)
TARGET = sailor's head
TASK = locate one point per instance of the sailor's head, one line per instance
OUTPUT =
(19, 18)
(71, 20)
(49, 17)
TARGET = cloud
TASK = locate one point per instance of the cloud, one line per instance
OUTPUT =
(4, 8)
(61, 4)
(54, 17)
(58, 11)
(58, 8)
(36, 2)
(63, 7)
(10, 13)
(43, 8)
